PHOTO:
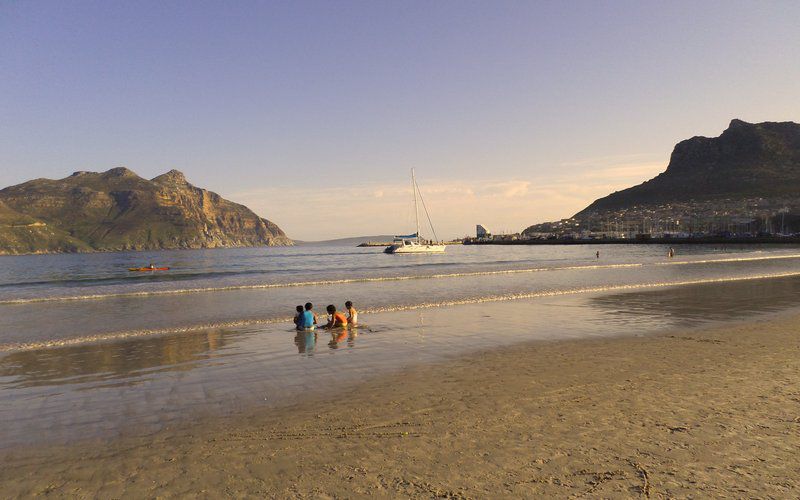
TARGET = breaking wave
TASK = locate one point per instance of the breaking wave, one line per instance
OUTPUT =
(119, 335)
(344, 281)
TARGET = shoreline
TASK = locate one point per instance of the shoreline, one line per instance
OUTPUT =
(4, 253)
(293, 243)
(143, 333)
(710, 411)
(792, 240)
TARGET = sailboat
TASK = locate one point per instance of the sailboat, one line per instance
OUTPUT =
(412, 242)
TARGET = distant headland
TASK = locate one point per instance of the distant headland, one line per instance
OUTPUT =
(743, 185)
(118, 210)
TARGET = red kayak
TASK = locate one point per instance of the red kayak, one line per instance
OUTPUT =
(140, 269)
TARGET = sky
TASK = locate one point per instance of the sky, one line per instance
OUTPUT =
(312, 113)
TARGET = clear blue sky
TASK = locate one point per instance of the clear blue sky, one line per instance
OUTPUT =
(312, 113)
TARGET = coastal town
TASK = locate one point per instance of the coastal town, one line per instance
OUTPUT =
(733, 219)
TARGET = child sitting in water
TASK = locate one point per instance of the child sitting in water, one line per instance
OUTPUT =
(352, 314)
(335, 319)
(298, 318)
(309, 317)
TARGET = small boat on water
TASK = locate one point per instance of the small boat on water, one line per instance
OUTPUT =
(142, 269)
(413, 243)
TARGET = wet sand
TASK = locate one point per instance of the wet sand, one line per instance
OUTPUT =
(712, 412)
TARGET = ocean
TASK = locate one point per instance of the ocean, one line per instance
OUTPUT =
(90, 349)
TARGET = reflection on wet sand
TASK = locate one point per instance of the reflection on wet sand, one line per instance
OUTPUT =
(115, 360)
(306, 342)
(339, 335)
(351, 337)
(700, 303)
(144, 384)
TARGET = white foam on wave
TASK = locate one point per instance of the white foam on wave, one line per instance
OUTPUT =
(45, 344)
(727, 259)
(345, 281)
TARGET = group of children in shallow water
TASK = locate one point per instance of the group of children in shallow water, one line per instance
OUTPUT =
(306, 319)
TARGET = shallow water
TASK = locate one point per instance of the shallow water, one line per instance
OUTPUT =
(92, 367)
(144, 384)
(47, 300)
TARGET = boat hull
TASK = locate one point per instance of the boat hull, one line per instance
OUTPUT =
(415, 249)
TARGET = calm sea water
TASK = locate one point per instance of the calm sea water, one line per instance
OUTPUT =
(88, 348)
(46, 300)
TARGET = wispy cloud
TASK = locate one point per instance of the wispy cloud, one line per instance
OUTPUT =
(455, 206)
(610, 161)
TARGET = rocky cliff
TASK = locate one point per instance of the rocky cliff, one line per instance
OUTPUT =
(746, 161)
(118, 210)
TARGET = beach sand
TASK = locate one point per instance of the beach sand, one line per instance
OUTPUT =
(712, 412)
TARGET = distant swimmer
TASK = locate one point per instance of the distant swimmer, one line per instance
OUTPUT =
(671, 252)
(335, 318)
(352, 314)
(598, 254)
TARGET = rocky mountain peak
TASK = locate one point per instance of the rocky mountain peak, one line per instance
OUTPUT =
(748, 160)
(171, 177)
(118, 172)
(739, 123)
(118, 210)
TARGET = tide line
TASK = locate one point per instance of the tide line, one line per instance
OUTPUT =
(27, 346)
(345, 281)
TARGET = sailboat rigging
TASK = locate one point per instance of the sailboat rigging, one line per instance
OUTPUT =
(413, 243)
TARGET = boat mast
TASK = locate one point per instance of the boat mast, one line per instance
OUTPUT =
(427, 214)
(416, 209)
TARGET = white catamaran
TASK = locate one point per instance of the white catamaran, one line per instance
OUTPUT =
(412, 243)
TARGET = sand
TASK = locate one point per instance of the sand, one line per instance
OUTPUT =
(713, 412)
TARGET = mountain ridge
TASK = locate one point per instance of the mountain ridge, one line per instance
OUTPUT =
(746, 160)
(746, 180)
(119, 210)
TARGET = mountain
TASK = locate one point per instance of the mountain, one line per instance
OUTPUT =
(350, 241)
(118, 210)
(20, 233)
(748, 160)
(746, 181)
